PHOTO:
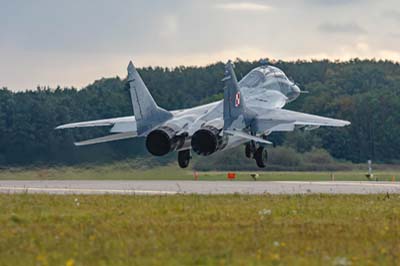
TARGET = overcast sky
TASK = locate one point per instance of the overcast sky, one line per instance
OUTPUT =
(74, 42)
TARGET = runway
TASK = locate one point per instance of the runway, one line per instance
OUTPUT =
(196, 187)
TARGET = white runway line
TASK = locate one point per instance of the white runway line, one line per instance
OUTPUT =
(85, 191)
(341, 183)
(164, 187)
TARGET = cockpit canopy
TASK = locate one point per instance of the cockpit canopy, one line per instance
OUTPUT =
(271, 79)
(258, 76)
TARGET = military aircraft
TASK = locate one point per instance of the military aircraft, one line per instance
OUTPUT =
(250, 111)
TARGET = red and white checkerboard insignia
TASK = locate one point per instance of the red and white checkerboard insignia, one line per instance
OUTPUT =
(237, 99)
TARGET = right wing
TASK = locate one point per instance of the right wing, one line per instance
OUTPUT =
(286, 120)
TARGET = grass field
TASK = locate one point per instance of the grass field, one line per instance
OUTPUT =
(199, 230)
(125, 171)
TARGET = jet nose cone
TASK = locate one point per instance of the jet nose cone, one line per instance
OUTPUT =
(295, 92)
(296, 89)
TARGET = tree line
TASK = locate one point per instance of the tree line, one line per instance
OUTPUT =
(365, 92)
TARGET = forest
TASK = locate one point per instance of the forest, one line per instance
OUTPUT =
(365, 92)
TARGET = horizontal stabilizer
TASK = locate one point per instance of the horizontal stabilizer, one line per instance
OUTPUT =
(113, 137)
(247, 136)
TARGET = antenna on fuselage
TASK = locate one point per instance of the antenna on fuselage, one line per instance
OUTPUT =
(264, 62)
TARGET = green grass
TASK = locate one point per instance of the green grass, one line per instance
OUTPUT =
(199, 230)
(126, 171)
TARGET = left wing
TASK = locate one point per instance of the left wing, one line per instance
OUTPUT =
(286, 120)
(125, 127)
(119, 125)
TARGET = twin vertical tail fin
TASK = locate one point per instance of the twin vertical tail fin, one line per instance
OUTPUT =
(234, 106)
(147, 114)
(237, 117)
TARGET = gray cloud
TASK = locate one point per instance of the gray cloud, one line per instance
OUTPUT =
(335, 2)
(244, 6)
(351, 28)
(73, 42)
(392, 14)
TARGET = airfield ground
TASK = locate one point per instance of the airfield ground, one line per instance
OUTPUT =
(199, 230)
(124, 171)
(307, 229)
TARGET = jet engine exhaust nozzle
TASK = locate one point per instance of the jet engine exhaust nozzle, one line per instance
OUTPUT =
(163, 140)
(207, 140)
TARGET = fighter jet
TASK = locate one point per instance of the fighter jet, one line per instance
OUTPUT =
(250, 110)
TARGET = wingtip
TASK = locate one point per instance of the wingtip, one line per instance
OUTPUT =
(344, 123)
(64, 126)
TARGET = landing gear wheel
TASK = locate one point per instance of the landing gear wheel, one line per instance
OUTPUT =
(261, 157)
(250, 150)
(184, 158)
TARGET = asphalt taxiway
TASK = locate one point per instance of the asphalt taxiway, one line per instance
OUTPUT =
(196, 187)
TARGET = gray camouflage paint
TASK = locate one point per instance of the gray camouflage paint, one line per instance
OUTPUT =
(263, 92)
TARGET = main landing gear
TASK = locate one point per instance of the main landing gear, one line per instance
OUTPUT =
(261, 157)
(184, 158)
(259, 154)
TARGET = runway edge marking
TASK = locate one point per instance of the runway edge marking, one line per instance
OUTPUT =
(86, 190)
